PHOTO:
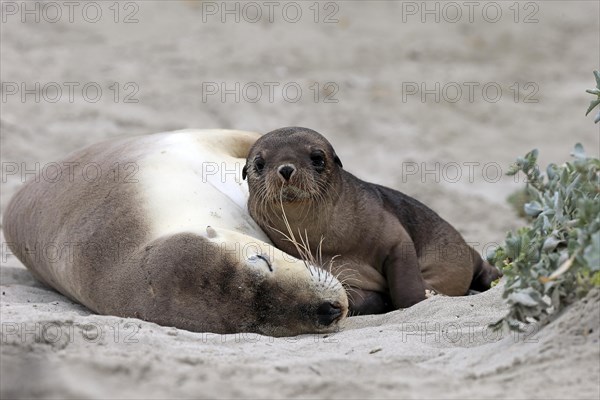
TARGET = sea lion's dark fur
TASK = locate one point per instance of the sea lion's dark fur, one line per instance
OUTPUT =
(391, 247)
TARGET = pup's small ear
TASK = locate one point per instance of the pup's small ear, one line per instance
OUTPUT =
(244, 171)
(337, 160)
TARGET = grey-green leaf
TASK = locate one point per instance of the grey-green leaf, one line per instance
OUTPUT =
(523, 298)
(533, 209)
(578, 151)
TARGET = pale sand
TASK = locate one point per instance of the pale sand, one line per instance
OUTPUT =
(440, 348)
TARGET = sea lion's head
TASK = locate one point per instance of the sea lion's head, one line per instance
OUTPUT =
(291, 165)
(272, 293)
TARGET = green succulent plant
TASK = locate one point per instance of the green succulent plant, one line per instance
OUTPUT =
(594, 103)
(555, 260)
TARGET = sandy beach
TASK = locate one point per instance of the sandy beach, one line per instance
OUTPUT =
(436, 104)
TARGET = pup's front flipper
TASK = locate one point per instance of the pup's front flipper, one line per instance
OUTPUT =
(403, 275)
(364, 302)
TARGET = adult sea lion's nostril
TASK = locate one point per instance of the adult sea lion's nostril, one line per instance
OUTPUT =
(328, 312)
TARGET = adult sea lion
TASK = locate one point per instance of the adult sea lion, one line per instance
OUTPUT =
(390, 248)
(156, 227)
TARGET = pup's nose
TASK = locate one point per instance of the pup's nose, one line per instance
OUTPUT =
(287, 171)
(328, 312)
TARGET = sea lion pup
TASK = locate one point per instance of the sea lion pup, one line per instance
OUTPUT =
(390, 248)
(156, 227)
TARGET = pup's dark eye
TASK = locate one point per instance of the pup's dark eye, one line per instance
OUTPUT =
(259, 164)
(318, 160)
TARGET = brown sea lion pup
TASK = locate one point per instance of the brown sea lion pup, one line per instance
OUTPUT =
(390, 248)
(155, 227)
